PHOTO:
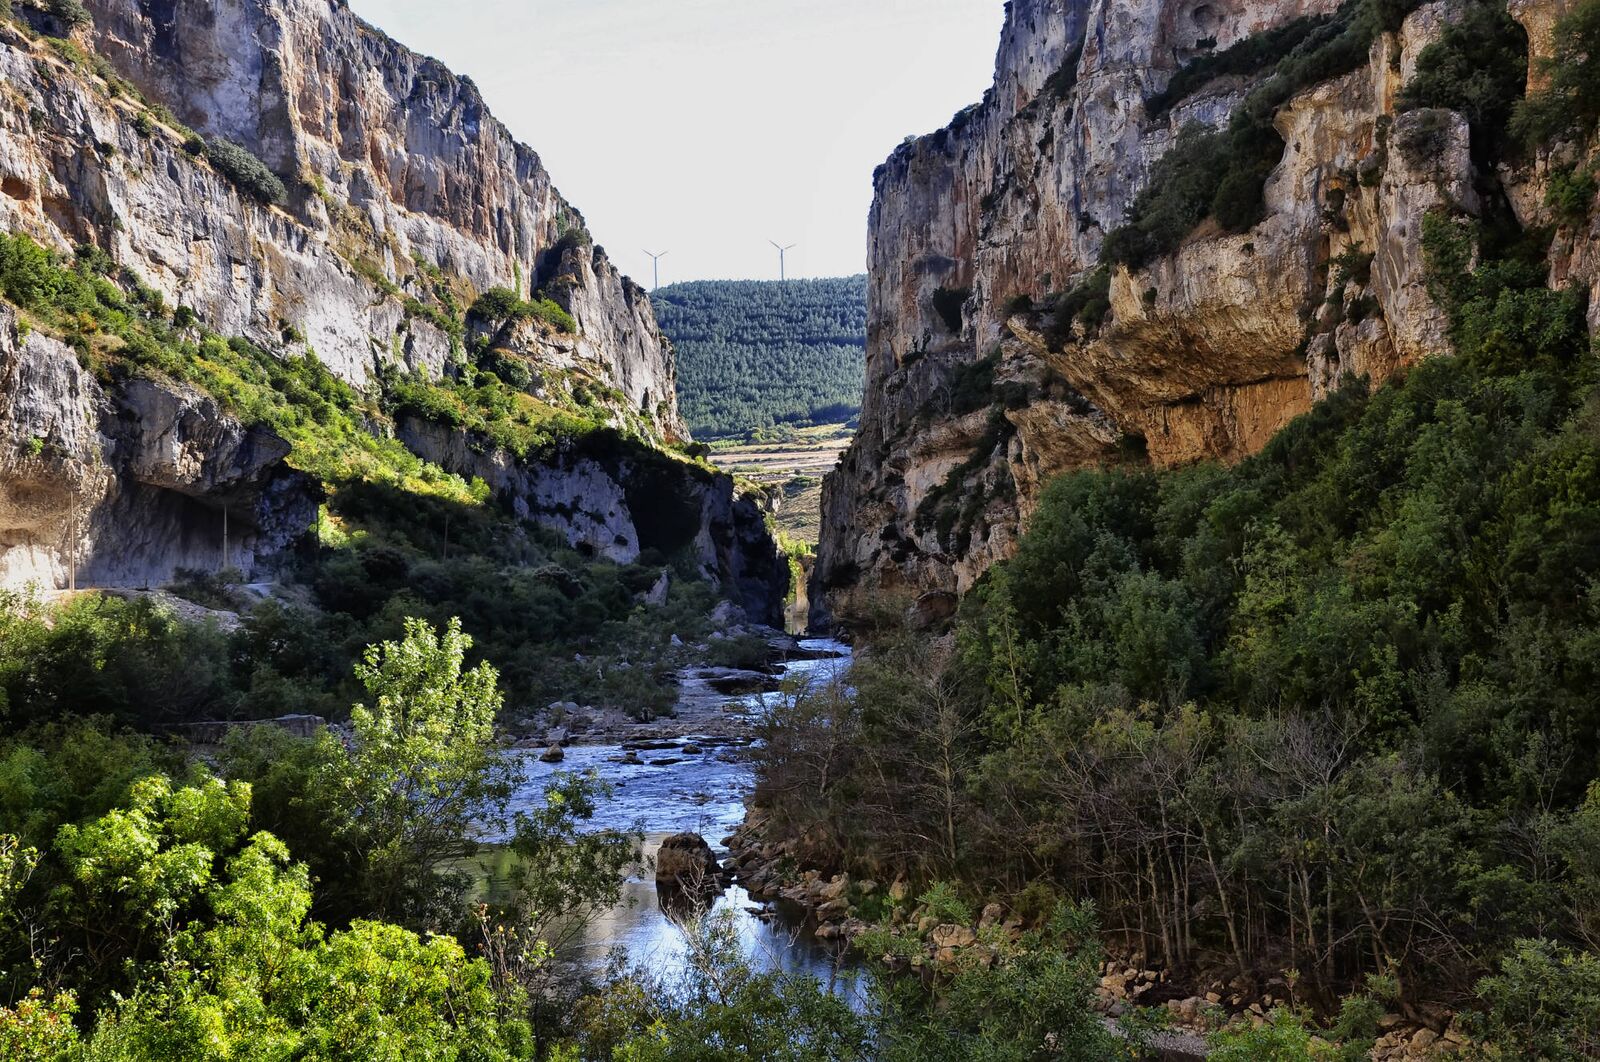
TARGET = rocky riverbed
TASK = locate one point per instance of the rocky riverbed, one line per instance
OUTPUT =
(686, 774)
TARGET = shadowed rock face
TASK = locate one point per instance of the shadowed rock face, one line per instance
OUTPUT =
(139, 479)
(1208, 351)
(614, 502)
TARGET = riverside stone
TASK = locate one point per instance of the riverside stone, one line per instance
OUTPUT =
(685, 861)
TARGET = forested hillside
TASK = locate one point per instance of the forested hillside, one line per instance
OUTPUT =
(1322, 721)
(752, 354)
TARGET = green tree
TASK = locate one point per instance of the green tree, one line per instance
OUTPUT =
(256, 980)
(1544, 1003)
(1570, 99)
(423, 773)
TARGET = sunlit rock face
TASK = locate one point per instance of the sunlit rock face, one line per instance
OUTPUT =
(400, 185)
(396, 172)
(1207, 351)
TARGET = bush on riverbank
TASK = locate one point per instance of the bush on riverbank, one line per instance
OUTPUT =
(1330, 710)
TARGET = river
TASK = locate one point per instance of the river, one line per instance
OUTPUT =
(696, 780)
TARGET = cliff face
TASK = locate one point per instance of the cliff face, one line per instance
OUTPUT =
(405, 201)
(1207, 350)
(617, 502)
(119, 488)
(396, 173)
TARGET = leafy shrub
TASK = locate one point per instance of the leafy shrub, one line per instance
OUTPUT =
(70, 12)
(503, 305)
(1544, 1003)
(1478, 67)
(1352, 266)
(248, 173)
(1183, 185)
(1570, 195)
(1502, 317)
(1570, 100)
(1087, 303)
(945, 905)
(36, 1028)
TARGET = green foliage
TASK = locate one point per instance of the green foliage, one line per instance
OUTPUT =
(1478, 68)
(1502, 316)
(39, 1029)
(754, 354)
(71, 13)
(720, 1009)
(502, 306)
(183, 931)
(1570, 194)
(1544, 1003)
(255, 979)
(562, 871)
(423, 770)
(1336, 670)
(1034, 999)
(247, 172)
(323, 419)
(1179, 195)
(1569, 102)
(944, 904)
(502, 416)
(110, 656)
(1284, 1038)
(1087, 303)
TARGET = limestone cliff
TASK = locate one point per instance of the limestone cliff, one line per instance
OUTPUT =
(1205, 352)
(119, 487)
(398, 179)
(403, 201)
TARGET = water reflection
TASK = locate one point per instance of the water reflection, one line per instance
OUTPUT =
(670, 790)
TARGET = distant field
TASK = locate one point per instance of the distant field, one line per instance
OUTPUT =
(797, 465)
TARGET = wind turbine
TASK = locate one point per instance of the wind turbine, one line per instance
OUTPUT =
(656, 258)
(783, 273)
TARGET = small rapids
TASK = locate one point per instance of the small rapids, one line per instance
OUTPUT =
(697, 780)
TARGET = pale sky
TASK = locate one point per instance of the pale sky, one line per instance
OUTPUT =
(705, 128)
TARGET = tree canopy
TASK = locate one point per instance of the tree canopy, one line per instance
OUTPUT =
(752, 354)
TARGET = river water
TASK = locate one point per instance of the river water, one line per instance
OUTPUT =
(663, 791)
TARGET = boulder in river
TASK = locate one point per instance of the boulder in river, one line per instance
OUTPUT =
(553, 754)
(685, 861)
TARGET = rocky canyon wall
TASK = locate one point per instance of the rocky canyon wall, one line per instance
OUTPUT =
(397, 177)
(1206, 351)
(405, 201)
